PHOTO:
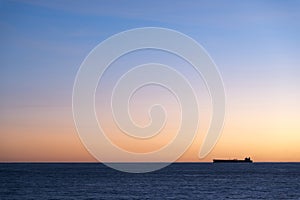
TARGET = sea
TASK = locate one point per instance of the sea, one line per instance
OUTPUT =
(177, 181)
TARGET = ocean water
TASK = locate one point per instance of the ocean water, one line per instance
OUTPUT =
(177, 181)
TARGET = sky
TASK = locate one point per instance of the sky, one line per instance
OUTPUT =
(255, 44)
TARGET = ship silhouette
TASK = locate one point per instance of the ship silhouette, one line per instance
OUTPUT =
(246, 160)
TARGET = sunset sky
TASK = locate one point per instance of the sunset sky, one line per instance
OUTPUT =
(255, 44)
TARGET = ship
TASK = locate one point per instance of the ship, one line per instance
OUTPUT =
(246, 160)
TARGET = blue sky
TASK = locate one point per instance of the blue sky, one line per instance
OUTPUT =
(44, 42)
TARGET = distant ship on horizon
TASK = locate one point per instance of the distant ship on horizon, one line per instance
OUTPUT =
(246, 160)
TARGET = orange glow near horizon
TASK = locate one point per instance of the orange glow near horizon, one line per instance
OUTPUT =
(55, 139)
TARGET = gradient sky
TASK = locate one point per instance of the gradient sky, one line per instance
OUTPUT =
(255, 44)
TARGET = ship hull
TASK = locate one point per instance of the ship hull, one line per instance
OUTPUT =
(232, 161)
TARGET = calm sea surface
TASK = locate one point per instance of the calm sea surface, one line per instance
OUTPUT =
(177, 181)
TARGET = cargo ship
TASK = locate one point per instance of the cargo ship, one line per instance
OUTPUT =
(246, 160)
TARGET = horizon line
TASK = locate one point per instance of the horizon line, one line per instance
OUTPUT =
(90, 162)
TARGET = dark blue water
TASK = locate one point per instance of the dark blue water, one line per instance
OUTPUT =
(180, 181)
